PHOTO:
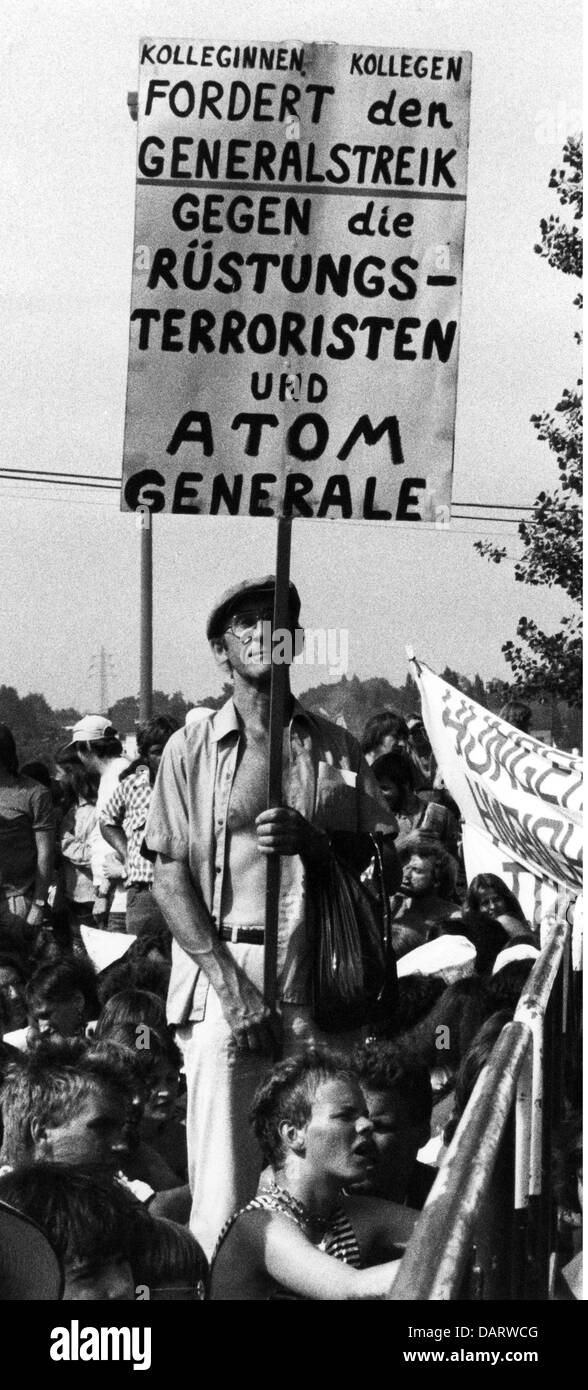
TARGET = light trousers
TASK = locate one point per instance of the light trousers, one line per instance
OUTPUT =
(224, 1161)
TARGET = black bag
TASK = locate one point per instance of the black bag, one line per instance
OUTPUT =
(354, 978)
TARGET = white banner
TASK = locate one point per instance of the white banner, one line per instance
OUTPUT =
(521, 800)
(300, 214)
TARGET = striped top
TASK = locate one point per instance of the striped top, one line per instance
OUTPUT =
(339, 1239)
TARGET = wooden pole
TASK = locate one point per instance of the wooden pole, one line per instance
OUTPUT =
(278, 692)
(146, 639)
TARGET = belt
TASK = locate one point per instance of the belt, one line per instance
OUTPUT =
(252, 936)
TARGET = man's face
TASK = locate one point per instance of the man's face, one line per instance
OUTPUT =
(60, 1018)
(397, 1141)
(338, 1139)
(109, 1278)
(248, 638)
(419, 876)
(12, 993)
(95, 1134)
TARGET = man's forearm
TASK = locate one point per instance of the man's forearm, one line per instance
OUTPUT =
(44, 871)
(115, 837)
(190, 922)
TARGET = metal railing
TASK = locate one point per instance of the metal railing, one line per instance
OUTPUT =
(488, 1227)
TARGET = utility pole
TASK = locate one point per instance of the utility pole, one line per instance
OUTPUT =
(145, 520)
(145, 524)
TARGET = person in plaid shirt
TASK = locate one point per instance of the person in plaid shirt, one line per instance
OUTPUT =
(123, 823)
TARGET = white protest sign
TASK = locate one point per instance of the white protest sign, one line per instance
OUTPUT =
(299, 232)
(521, 801)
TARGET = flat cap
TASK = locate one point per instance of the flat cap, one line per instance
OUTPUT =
(222, 610)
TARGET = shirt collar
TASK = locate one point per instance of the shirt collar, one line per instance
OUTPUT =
(226, 720)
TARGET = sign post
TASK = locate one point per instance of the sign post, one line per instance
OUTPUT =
(278, 689)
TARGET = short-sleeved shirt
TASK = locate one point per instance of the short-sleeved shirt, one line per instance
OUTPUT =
(128, 807)
(100, 848)
(25, 807)
(328, 782)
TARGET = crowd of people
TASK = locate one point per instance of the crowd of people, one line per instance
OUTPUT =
(172, 1133)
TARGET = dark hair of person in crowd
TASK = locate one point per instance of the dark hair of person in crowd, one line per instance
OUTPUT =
(79, 783)
(145, 966)
(153, 945)
(154, 733)
(387, 1066)
(129, 1009)
(57, 981)
(148, 1048)
(12, 959)
(506, 986)
(8, 754)
(416, 996)
(53, 941)
(38, 772)
(486, 934)
(518, 714)
(380, 726)
(484, 884)
(394, 774)
(567, 1152)
(13, 979)
(424, 845)
(50, 1087)
(109, 747)
(473, 1062)
(443, 1037)
(287, 1097)
(87, 1217)
(169, 1262)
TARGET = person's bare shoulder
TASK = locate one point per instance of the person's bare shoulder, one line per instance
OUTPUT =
(381, 1227)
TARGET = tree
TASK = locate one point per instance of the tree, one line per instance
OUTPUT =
(37, 730)
(550, 665)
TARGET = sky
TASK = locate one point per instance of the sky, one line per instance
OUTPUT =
(69, 561)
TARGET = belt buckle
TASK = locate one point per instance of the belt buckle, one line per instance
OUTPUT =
(234, 935)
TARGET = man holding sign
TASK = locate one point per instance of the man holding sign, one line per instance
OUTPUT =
(213, 833)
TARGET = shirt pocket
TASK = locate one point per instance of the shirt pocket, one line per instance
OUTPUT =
(136, 822)
(336, 798)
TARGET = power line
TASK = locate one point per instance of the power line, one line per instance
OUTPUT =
(26, 476)
(63, 482)
(85, 479)
(60, 473)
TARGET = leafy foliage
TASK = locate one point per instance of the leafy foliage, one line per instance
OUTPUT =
(549, 665)
(37, 730)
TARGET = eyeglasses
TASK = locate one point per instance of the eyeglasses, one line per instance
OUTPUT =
(242, 624)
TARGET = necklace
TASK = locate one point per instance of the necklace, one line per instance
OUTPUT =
(308, 1220)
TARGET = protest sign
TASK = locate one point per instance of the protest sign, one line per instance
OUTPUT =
(299, 231)
(521, 801)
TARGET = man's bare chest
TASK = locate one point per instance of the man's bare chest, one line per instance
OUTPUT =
(249, 791)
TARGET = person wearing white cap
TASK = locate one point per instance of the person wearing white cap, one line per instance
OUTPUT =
(211, 829)
(99, 748)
